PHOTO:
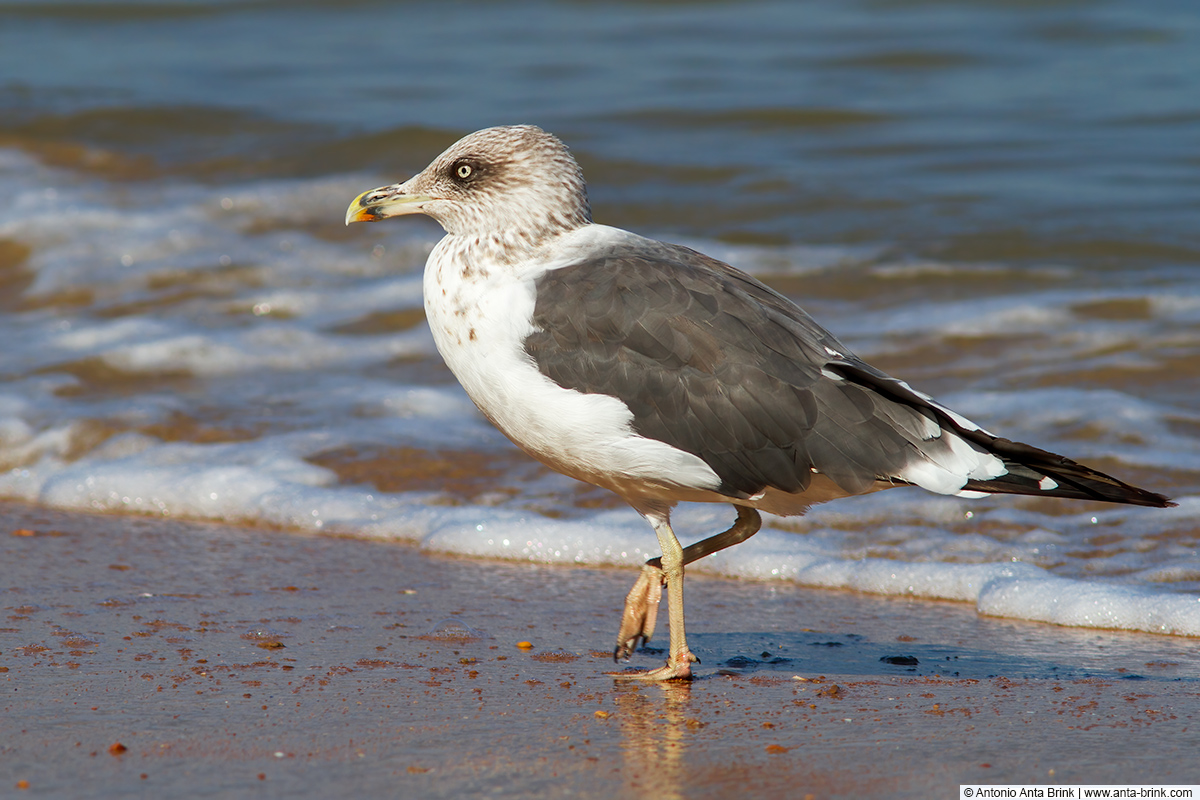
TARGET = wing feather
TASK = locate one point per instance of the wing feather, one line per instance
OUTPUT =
(714, 363)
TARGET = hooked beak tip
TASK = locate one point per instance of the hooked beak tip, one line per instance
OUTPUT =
(387, 201)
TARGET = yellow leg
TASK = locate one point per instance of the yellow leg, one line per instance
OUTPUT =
(641, 605)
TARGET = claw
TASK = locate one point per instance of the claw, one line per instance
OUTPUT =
(624, 650)
(677, 668)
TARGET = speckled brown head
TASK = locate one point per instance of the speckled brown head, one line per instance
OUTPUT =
(515, 179)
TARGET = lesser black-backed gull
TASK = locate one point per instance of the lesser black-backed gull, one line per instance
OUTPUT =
(664, 375)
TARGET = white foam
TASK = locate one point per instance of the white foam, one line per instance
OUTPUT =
(269, 483)
(1046, 598)
(236, 293)
(1014, 589)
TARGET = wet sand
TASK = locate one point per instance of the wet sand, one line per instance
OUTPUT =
(156, 658)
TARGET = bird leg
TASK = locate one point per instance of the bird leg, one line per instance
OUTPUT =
(641, 604)
(679, 661)
(641, 610)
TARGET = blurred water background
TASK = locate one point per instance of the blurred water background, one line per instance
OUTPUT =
(996, 200)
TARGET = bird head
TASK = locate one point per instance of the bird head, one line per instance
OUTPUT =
(515, 180)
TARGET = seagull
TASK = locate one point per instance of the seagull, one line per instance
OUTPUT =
(668, 376)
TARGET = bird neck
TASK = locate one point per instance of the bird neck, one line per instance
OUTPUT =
(511, 251)
(508, 246)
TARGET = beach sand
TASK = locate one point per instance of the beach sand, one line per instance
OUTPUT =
(148, 657)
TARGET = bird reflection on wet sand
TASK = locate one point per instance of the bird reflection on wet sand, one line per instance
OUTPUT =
(656, 723)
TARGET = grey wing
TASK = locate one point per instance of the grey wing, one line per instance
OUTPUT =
(714, 363)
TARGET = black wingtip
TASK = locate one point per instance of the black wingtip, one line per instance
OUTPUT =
(1029, 467)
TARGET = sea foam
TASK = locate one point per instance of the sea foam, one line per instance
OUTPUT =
(235, 309)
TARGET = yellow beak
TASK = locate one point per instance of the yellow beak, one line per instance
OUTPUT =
(384, 202)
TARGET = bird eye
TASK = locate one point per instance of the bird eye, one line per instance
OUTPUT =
(463, 171)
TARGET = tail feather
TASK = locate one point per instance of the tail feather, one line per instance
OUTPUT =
(1033, 471)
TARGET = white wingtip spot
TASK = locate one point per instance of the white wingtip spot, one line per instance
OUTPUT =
(1047, 483)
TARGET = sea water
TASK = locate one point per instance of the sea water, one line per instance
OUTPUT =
(996, 203)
